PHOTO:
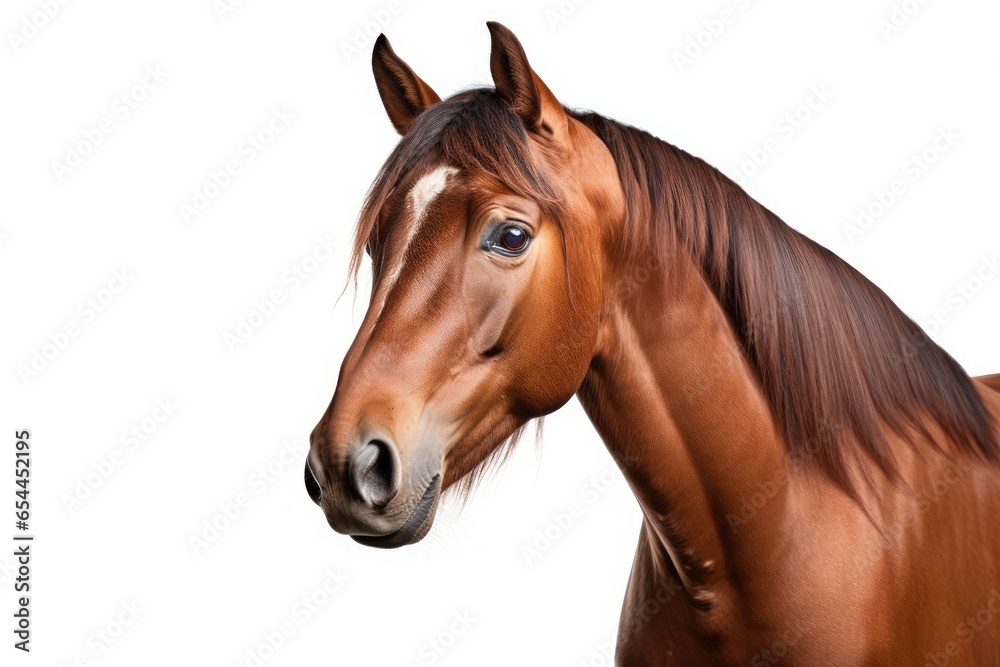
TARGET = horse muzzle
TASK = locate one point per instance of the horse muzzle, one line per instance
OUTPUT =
(369, 501)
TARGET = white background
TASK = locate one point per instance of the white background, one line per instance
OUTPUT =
(162, 337)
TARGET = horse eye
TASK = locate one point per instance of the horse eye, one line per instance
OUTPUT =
(510, 240)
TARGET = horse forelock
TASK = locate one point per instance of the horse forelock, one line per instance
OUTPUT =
(474, 132)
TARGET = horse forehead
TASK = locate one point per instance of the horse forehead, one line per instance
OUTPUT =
(421, 195)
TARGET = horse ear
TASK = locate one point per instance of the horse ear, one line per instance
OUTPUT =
(528, 95)
(404, 94)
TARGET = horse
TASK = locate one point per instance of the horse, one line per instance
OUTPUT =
(819, 481)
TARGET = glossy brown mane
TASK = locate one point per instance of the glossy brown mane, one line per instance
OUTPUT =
(835, 356)
(836, 359)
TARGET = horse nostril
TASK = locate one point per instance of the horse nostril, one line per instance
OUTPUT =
(312, 486)
(375, 473)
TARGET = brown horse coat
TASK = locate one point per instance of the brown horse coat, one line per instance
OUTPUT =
(818, 479)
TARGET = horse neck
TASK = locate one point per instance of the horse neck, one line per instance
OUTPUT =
(677, 405)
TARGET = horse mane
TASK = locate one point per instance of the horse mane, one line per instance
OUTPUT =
(836, 359)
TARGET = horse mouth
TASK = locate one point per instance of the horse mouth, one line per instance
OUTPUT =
(415, 527)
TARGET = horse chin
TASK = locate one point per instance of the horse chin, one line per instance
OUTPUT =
(415, 528)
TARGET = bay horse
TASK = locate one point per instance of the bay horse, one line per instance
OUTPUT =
(819, 481)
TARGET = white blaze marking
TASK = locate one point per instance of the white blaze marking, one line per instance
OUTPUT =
(420, 197)
(423, 193)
